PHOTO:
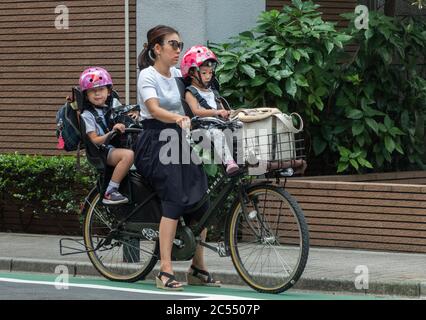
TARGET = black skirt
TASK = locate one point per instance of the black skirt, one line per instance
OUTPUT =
(180, 185)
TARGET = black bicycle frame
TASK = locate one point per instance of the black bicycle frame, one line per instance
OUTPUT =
(223, 183)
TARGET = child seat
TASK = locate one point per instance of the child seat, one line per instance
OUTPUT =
(183, 84)
(95, 154)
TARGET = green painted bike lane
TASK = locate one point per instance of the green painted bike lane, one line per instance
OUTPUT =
(148, 286)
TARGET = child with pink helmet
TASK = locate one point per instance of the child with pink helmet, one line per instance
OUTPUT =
(96, 85)
(198, 65)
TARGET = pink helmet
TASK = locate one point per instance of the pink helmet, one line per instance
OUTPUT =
(194, 57)
(94, 77)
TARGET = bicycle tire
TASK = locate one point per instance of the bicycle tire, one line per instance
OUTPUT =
(259, 236)
(92, 208)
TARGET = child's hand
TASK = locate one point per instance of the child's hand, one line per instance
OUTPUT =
(223, 113)
(134, 114)
(119, 127)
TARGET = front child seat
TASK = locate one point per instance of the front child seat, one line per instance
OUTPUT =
(183, 84)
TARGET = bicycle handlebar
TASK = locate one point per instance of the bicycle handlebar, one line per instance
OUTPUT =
(114, 133)
(209, 122)
(123, 109)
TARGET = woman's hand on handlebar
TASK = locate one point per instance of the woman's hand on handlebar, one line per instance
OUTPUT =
(184, 122)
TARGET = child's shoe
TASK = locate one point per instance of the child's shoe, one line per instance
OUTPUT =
(231, 167)
(114, 197)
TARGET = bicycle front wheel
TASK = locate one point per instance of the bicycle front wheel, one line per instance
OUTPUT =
(116, 256)
(269, 239)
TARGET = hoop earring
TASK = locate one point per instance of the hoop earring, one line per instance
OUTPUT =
(150, 56)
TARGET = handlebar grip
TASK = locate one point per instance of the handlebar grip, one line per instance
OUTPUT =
(110, 137)
(133, 130)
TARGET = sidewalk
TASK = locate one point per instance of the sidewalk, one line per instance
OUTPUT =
(398, 274)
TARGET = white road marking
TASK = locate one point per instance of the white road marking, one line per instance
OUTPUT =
(100, 287)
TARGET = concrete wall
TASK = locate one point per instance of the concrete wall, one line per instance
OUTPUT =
(198, 20)
(226, 18)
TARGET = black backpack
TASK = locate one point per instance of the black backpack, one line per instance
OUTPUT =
(68, 127)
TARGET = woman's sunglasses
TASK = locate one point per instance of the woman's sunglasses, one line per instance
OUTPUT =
(176, 44)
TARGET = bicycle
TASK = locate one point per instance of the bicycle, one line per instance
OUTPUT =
(264, 232)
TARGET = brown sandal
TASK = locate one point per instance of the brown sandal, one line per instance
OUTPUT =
(201, 278)
(171, 284)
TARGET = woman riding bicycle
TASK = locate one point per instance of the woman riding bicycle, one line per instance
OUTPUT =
(179, 186)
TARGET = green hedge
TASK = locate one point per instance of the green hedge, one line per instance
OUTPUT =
(45, 184)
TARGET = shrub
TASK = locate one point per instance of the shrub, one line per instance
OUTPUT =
(287, 61)
(45, 184)
(364, 113)
(378, 117)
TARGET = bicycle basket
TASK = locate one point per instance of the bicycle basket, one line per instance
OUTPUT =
(276, 150)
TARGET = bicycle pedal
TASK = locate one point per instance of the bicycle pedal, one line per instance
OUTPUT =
(221, 249)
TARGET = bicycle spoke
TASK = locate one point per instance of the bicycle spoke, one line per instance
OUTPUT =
(120, 257)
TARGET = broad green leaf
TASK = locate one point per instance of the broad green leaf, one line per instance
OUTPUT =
(343, 37)
(330, 46)
(301, 81)
(365, 163)
(389, 144)
(344, 152)
(275, 89)
(387, 155)
(248, 70)
(361, 140)
(290, 87)
(286, 73)
(382, 128)
(388, 122)
(276, 47)
(372, 124)
(257, 81)
(321, 91)
(357, 128)
(304, 54)
(319, 145)
(231, 65)
(262, 60)
(354, 114)
(394, 131)
(296, 55)
(354, 163)
(399, 148)
(226, 76)
(342, 167)
(275, 62)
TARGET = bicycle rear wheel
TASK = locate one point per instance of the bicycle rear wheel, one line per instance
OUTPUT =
(269, 240)
(116, 256)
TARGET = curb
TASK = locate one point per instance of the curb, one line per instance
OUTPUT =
(412, 289)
